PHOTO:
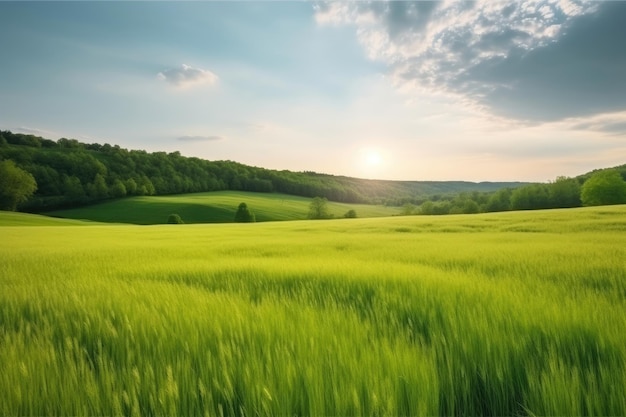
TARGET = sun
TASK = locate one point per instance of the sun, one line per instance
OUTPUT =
(372, 162)
(372, 157)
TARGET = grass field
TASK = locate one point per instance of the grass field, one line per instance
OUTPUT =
(519, 313)
(213, 207)
(8, 218)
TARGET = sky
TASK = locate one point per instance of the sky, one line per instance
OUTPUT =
(485, 90)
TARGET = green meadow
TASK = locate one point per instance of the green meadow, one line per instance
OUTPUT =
(212, 207)
(516, 313)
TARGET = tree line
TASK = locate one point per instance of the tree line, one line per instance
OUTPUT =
(69, 173)
(601, 187)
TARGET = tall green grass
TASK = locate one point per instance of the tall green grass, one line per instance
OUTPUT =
(499, 314)
(213, 207)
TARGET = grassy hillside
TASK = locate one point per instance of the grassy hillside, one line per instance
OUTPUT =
(10, 218)
(213, 207)
(517, 313)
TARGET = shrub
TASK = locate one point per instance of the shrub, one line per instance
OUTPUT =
(174, 219)
(350, 214)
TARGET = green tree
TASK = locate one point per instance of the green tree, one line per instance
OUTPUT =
(530, 197)
(318, 209)
(427, 207)
(407, 209)
(564, 192)
(470, 207)
(244, 215)
(48, 180)
(131, 186)
(603, 188)
(500, 200)
(16, 185)
(118, 189)
(98, 189)
(350, 214)
(442, 207)
(72, 188)
(174, 219)
(145, 186)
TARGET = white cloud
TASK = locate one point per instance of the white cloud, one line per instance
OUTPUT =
(613, 124)
(34, 131)
(186, 76)
(506, 56)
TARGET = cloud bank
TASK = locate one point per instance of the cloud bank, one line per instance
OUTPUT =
(186, 76)
(530, 60)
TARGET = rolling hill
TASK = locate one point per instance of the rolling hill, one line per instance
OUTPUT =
(9, 218)
(212, 207)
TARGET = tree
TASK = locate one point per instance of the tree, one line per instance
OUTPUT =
(16, 185)
(407, 209)
(98, 189)
(318, 209)
(427, 207)
(72, 188)
(350, 214)
(500, 200)
(244, 215)
(564, 192)
(174, 219)
(131, 186)
(145, 186)
(530, 197)
(118, 189)
(470, 207)
(603, 188)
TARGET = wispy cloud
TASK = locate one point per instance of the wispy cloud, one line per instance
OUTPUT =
(528, 60)
(186, 76)
(210, 138)
(609, 123)
(34, 131)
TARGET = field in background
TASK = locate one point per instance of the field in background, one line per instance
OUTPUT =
(213, 207)
(514, 313)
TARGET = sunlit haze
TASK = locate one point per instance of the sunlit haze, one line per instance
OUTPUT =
(449, 90)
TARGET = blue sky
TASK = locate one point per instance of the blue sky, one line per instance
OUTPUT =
(448, 90)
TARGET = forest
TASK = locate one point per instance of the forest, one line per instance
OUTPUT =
(68, 173)
(596, 188)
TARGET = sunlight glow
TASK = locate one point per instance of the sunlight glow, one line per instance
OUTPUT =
(372, 157)
(372, 162)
